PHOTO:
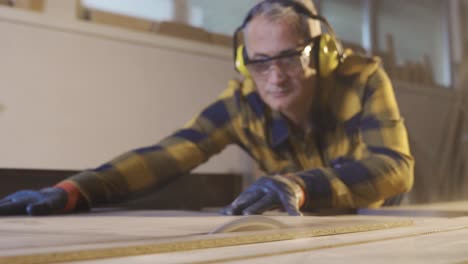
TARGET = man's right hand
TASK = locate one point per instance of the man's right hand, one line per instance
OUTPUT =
(43, 202)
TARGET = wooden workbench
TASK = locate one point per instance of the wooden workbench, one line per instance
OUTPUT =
(115, 236)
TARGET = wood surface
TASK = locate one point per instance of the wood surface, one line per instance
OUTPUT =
(184, 237)
(96, 236)
(443, 209)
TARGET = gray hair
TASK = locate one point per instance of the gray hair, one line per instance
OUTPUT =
(274, 11)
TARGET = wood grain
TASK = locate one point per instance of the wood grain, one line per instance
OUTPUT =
(77, 238)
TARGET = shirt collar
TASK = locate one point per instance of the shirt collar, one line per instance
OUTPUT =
(280, 128)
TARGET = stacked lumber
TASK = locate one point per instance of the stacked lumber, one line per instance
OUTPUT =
(168, 28)
(34, 5)
(409, 71)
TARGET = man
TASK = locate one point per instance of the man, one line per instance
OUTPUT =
(326, 139)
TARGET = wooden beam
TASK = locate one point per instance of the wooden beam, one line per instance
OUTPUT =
(35, 5)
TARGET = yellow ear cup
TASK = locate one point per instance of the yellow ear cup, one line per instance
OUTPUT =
(328, 55)
(240, 64)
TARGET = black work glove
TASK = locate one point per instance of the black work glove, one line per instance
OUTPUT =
(268, 193)
(43, 202)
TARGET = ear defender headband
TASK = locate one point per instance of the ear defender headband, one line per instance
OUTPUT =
(328, 47)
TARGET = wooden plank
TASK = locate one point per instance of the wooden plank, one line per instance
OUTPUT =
(57, 239)
(181, 30)
(409, 242)
(120, 20)
(428, 69)
(221, 39)
(443, 209)
(391, 56)
(35, 5)
(400, 245)
(438, 247)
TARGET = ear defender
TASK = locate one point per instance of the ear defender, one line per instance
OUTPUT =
(240, 62)
(328, 55)
(327, 50)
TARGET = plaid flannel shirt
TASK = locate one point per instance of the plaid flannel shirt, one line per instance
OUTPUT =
(355, 155)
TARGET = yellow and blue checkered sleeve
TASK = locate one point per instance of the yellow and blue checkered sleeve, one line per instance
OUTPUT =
(142, 170)
(384, 166)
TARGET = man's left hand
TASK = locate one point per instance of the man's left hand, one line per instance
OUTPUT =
(268, 193)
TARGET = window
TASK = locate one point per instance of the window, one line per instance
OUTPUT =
(346, 18)
(219, 16)
(214, 16)
(418, 29)
(159, 10)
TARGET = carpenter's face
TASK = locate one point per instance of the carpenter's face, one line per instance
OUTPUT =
(282, 83)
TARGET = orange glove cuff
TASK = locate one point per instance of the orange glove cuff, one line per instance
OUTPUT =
(74, 195)
(300, 192)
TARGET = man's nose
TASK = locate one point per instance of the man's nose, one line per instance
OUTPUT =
(276, 73)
